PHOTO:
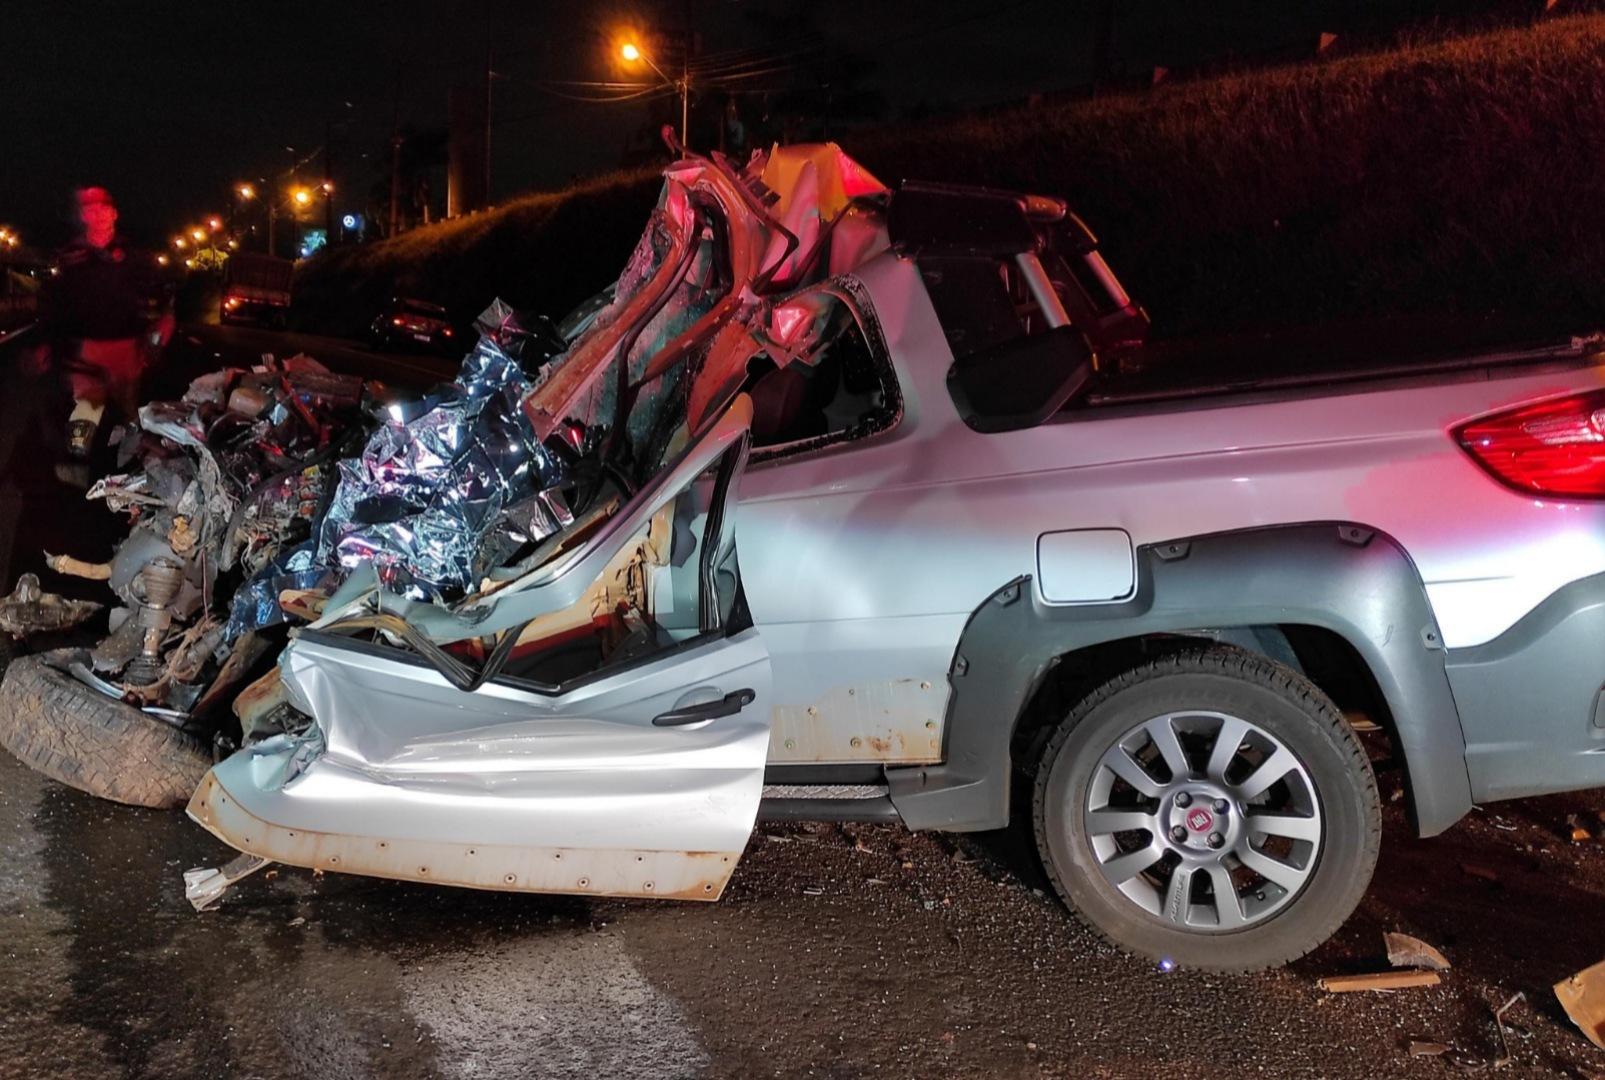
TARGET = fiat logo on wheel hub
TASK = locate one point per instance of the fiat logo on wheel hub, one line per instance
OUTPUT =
(1200, 820)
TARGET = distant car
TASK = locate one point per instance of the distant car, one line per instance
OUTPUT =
(413, 324)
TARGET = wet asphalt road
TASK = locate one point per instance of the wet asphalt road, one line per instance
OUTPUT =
(836, 952)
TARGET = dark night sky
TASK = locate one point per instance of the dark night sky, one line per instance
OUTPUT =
(167, 103)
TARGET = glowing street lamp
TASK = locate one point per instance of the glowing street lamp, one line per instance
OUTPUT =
(631, 52)
(197, 234)
(214, 223)
(301, 197)
(246, 191)
(180, 243)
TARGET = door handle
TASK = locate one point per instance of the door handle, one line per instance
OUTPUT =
(728, 705)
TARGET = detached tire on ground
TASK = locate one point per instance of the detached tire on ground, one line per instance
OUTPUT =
(1211, 809)
(73, 733)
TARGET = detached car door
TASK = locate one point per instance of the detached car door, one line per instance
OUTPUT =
(640, 777)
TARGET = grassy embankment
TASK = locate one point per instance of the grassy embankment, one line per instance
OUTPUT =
(1463, 177)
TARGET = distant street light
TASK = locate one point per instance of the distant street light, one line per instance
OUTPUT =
(301, 197)
(214, 223)
(246, 191)
(632, 52)
(179, 243)
(197, 235)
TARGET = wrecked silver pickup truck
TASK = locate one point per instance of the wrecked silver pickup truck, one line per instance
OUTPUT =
(979, 536)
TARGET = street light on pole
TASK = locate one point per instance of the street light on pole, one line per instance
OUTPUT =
(631, 52)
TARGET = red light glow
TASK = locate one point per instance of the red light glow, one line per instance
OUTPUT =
(1554, 448)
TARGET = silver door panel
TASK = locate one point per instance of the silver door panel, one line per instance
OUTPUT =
(416, 774)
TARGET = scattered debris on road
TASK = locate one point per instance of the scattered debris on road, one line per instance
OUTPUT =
(1499, 1022)
(1378, 980)
(1405, 951)
(204, 886)
(31, 610)
(1583, 997)
(1423, 962)
(1579, 831)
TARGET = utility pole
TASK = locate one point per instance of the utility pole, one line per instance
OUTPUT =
(295, 215)
(490, 74)
(328, 193)
(685, 80)
(395, 162)
(395, 184)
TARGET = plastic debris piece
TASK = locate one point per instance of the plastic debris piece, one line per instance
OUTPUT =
(1405, 951)
(1499, 1022)
(205, 886)
(1583, 997)
(31, 610)
(1424, 1048)
(1378, 980)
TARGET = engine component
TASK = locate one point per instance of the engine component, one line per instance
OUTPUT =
(31, 610)
(158, 584)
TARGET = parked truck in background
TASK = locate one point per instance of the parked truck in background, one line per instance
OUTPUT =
(256, 288)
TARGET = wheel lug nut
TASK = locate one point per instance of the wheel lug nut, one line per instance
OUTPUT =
(1183, 799)
(1216, 840)
(1221, 806)
(1178, 834)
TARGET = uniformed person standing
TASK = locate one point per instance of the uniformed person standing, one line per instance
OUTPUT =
(103, 316)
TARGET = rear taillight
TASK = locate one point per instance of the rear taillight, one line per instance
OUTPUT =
(1554, 448)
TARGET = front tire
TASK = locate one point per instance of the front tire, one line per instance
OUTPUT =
(72, 733)
(1211, 809)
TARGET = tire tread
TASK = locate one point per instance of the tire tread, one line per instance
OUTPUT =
(71, 733)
